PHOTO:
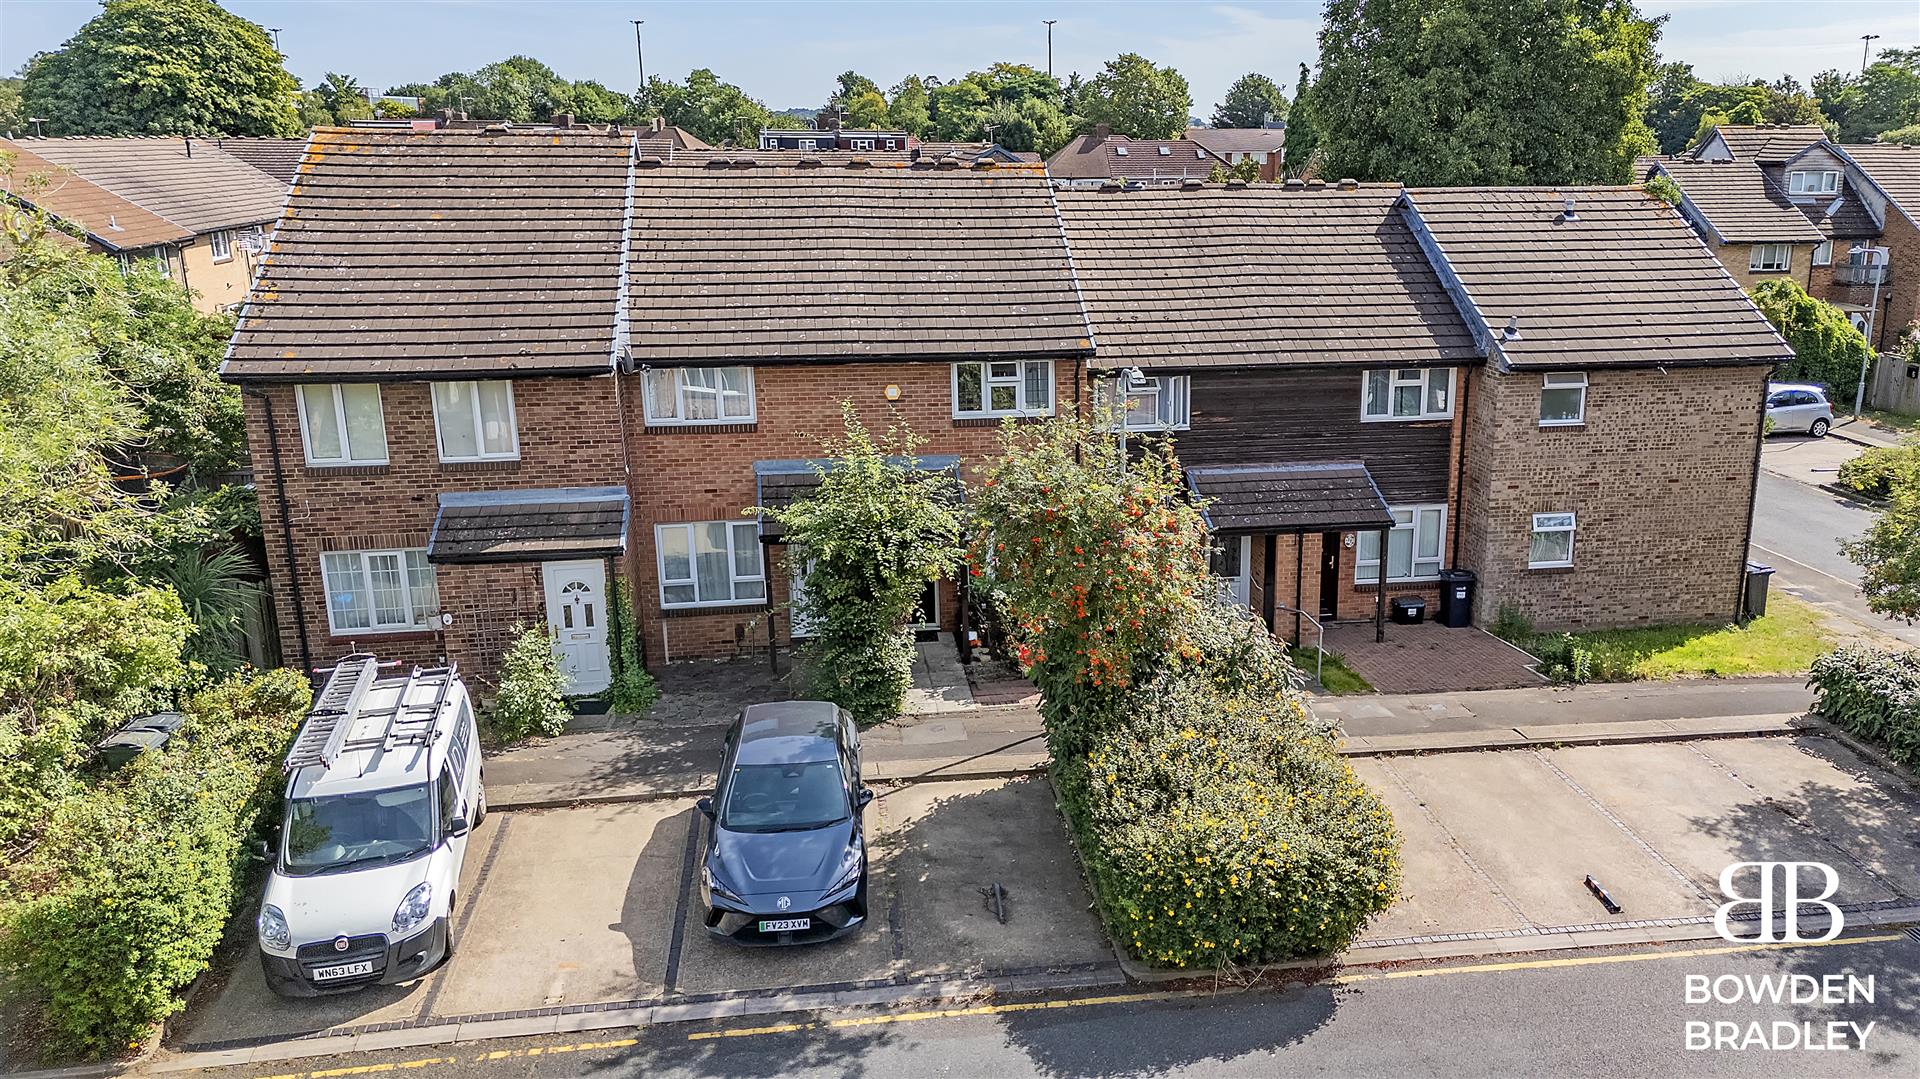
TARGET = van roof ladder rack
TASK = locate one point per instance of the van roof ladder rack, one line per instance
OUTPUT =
(410, 724)
(324, 733)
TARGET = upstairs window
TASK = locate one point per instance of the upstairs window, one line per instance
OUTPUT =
(1157, 403)
(475, 421)
(1770, 258)
(1002, 388)
(1823, 253)
(379, 590)
(1415, 547)
(342, 424)
(1407, 393)
(1563, 398)
(683, 395)
(1813, 182)
(220, 244)
(710, 564)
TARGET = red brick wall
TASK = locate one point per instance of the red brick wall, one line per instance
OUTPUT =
(570, 436)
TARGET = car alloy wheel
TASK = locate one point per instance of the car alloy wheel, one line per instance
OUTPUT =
(1819, 428)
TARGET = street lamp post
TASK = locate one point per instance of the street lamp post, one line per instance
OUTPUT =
(1049, 23)
(275, 31)
(639, 53)
(1866, 44)
(1876, 261)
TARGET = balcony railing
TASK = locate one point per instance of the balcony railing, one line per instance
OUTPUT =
(1858, 273)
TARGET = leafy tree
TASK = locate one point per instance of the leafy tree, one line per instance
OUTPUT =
(1905, 136)
(959, 110)
(1137, 99)
(216, 588)
(1022, 105)
(163, 67)
(1884, 97)
(1246, 170)
(1827, 349)
(530, 698)
(850, 85)
(1888, 554)
(1303, 129)
(13, 117)
(867, 112)
(590, 102)
(1017, 82)
(393, 110)
(910, 109)
(1484, 91)
(718, 112)
(1681, 108)
(872, 536)
(339, 98)
(1033, 124)
(1251, 101)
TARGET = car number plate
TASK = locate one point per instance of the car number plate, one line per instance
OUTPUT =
(344, 970)
(785, 925)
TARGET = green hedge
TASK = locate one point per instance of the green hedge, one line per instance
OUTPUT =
(1872, 694)
(532, 694)
(123, 900)
(1871, 474)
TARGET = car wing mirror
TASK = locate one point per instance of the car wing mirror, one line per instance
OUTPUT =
(261, 848)
(457, 827)
(865, 796)
(705, 806)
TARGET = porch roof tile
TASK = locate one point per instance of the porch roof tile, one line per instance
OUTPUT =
(1264, 498)
(535, 525)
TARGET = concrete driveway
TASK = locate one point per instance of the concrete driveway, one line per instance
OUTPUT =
(599, 906)
(1501, 843)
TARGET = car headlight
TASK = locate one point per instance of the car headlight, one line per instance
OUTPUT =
(414, 908)
(273, 929)
(715, 885)
(850, 865)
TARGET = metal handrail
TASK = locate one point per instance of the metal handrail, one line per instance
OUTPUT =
(1320, 648)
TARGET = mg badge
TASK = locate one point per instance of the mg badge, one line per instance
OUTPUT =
(341, 944)
(783, 902)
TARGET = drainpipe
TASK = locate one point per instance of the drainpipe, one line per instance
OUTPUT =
(286, 530)
(1753, 500)
(1460, 468)
(1380, 597)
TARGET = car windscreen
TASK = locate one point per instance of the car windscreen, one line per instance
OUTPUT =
(343, 831)
(784, 797)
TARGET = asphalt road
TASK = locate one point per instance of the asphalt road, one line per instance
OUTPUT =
(1797, 529)
(1587, 1014)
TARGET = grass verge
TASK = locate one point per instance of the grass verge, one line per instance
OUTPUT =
(1784, 641)
(1336, 677)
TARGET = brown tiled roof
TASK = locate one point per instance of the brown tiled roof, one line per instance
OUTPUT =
(1290, 498)
(1841, 216)
(1258, 275)
(278, 158)
(1625, 283)
(190, 182)
(1118, 157)
(418, 254)
(113, 221)
(529, 525)
(1238, 140)
(1894, 169)
(1739, 203)
(840, 264)
(1768, 143)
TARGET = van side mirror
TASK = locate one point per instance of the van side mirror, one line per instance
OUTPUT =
(705, 806)
(865, 796)
(261, 848)
(457, 827)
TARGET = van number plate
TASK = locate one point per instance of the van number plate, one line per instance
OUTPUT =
(344, 970)
(785, 925)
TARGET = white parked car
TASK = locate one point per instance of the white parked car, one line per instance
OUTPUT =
(383, 789)
(1794, 407)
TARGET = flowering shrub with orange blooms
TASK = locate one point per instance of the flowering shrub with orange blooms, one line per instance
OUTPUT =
(1094, 561)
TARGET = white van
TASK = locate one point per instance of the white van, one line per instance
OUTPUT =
(383, 788)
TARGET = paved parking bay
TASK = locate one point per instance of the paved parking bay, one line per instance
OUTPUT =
(580, 906)
(1501, 842)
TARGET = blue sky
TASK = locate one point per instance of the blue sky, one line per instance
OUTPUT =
(788, 53)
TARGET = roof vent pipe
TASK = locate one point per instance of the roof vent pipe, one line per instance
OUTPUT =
(1566, 209)
(1512, 332)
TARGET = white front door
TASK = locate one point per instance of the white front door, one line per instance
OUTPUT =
(577, 612)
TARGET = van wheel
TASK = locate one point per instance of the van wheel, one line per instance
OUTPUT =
(480, 813)
(1819, 428)
(448, 957)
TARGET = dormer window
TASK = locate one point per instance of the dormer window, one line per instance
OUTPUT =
(1813, 182)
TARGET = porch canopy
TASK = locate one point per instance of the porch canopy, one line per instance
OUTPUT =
(1276, 498)
(530, 525)
(780, 484)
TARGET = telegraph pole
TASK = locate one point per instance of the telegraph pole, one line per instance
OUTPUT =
(640, 54)
(1866, 44)
(1049, 23)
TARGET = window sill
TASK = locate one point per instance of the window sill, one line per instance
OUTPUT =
(1550, 569)
(995, 421)
(480, 466)
(1563, 425)
(742, 427)
(1448, 418)
(378, 635)
(1414, 582)
(750, 607)
(348, 470)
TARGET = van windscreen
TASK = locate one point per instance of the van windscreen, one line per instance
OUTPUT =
(344, 831)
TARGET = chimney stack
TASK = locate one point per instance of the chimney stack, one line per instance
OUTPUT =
(1102, 132)
(563, 119)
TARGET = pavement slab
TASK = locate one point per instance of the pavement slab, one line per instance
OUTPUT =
(1441, 889)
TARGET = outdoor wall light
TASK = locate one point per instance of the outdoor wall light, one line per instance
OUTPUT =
(893, 391)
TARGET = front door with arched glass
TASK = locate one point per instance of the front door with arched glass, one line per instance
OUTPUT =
(577, 612)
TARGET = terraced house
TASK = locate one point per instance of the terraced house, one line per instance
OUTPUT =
(499, 399)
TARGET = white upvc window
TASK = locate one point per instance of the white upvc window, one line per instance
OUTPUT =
(893, 144)
(1813, 182)
(809, 144)
(1407, 393)
(1416, 547)
(220, 244)
(1551, 545)
(379, 591)
(1156, 403)
(710, 564)
(1563, 398)
(342, 424)
(683, 395)
(1823, 253)
(988, 388)
(1769, 258)
(474, 421)
(863, 144)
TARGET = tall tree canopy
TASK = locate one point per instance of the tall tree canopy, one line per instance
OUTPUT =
(1885, 97)
(1251, 101)
(910, 107)
(163, 67)
(335, 101)
(1303, 130)
(519, 90)
(1680, 106)
(1484, 91)
(1136, 98)
(719, 112)
(1022, 105)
